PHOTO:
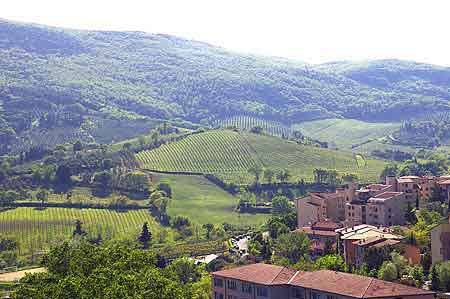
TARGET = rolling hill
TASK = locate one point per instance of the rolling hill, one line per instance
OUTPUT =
(82, 80)
(345, 133)
(229, 155)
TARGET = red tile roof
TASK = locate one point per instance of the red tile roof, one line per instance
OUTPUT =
(353, 285)
(259, 273)
(340, 283)
(322, 233)
(377, 187)
(386, 195)
(326, 225)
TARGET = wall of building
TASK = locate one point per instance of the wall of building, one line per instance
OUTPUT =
(306, 212)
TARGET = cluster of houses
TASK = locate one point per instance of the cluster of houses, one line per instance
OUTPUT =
(350, 220)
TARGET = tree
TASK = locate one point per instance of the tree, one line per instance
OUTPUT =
(127, 146)
(42, 196)
(330, 262)
(268, 175)
(281, 206)
(77, 146)
(292, 247)
(389, 170)
(62, 175)
(78, 229)
(434, 278)
(283, 175)
(350, 177)
(136, 181)
(276, 227)
(208, 227)
(145, 237)
(388, 271)
(166, 188)
(103, 179)
(256, 170)
(320, 175)
(110, 270)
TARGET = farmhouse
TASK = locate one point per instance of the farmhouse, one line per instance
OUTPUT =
(275, 282)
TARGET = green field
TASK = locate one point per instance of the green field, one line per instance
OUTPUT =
(230, 154)
(344, 133)
(38, 229)
(204, 202)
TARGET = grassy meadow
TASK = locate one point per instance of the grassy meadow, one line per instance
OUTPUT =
(204, 202)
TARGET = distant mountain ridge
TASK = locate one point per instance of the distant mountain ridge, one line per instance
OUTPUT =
(166, 77)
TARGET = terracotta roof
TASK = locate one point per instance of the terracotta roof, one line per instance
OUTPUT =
(310, 231)
(376, 241)
(377, 187)
(353, 285)
(344, 284)
(259, 273)
(326, 195)
(386, 195)
(445, 182)
(326, 225)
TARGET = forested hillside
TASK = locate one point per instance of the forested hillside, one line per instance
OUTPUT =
(81, 80)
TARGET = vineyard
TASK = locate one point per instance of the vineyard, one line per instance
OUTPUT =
(218, 152)
(248, 122)
(343, 133)
(229, 155)
(38, 229)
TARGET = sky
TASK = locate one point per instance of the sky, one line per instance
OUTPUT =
(313, 31)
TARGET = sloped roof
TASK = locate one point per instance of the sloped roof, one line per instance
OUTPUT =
(353, 285)
(259, 273)
(333, 282)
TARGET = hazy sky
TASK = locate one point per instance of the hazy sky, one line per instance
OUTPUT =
(313, 31)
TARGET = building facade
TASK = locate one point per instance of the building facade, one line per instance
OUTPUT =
(262, 281)
(440, 243)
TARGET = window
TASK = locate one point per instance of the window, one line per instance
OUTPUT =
(246, 288)
(298, 293)
(315, 295)
(331, 297)
(261, 292)
(218, 282)
(231, 284)
(218, 295)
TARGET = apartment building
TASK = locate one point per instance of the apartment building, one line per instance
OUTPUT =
(354, 241)
(383, 209)
(263, 281)
(321, 206)
(440, 243)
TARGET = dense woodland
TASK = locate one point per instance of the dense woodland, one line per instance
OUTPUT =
(82, 79)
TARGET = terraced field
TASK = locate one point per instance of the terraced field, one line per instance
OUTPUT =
(229, 155)
(38, 229)
(344, 133)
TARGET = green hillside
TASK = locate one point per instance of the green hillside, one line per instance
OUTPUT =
(84, 81)
(230, 154)
(344, 133)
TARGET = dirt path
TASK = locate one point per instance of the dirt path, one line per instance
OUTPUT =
(14, 276)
